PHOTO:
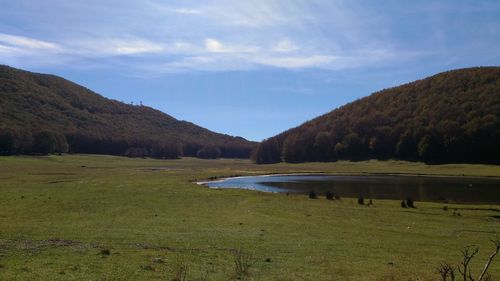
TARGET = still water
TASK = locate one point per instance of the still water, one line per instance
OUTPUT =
(419, 188)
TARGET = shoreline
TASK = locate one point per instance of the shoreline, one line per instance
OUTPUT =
(368, 174)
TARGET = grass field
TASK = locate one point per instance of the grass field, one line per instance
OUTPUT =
(112, 218)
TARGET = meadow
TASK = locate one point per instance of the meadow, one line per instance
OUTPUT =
(89, 217)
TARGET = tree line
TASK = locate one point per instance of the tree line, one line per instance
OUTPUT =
(41, 114)
(14, 142)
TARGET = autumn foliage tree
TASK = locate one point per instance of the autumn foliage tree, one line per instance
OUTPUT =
(44, 114)
(450, 117)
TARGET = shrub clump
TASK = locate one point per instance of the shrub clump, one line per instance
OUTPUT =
(403, 204)
(312, 195)
(410, 203)
(105, 252)
(329, 195)
(361, 201)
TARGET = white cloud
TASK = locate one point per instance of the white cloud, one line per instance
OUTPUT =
(191, 62)
(116, 47)
(174, 10)
(285, 46)
(27, 43)
(180, 47)
(95, 47)
(137, 47)
(215, 46)
(7, 50)
(187, 11)
(297, 61)
(247, 14)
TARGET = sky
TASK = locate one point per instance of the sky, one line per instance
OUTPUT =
(250, 68)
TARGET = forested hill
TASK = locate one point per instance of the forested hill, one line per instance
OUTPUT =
(450, 117)
(44, 114)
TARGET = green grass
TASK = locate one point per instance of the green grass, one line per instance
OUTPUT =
(58, 213)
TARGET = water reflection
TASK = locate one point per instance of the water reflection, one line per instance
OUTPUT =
(420, 188)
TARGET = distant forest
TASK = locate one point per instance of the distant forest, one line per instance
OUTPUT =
(452, 117)
(42, 114)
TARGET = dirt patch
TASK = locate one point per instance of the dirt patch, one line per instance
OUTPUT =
(38, 245)
(53, 174)
(60, 181)
(159, 169)
(168, 249)
(479, 209)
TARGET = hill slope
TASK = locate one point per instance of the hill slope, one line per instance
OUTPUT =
(45, 113)
(450, 117)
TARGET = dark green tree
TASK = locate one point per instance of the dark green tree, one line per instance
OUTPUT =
(7, 145)
(44, 142)
(406, 147)
(323, 147)
(209, 152)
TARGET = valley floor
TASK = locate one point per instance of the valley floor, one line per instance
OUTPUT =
(87, 217)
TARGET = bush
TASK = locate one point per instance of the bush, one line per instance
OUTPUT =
(312, 195)
(209, 152)
(6, 142)
(403, 204)
(410, 203)
(329, 195)
(136, 152)
(46, 142)
(361, 201)
(105, 252)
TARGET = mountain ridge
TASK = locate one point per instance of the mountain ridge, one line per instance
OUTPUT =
(453, 116)
(32, 102)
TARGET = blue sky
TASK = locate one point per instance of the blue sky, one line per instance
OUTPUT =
(250, 68)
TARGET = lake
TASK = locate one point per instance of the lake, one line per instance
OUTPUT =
(419, 188)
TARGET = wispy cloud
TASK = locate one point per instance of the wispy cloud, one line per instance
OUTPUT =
(186, 11)
(317, 61)
(115, 47)
(224, 35)
(215, 46)
(7, 49)
(21, 50)
(285, 46)
(209, 55)
(257, 13)
(172, 9)
(22, 42)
